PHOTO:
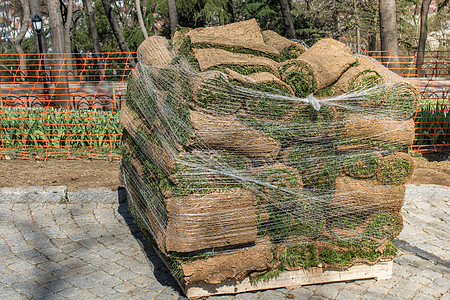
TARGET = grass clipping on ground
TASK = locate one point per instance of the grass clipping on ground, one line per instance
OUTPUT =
(228, 153)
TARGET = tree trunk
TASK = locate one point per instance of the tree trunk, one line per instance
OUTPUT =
(423, 35)
(92, 25)
(68, 27)
(141, 19)
(358, 32)
(61, 93)
(115, 26)
(95, 39)
(287, 17)
(70, 66)
(231, 11)
(19, 38)
(388, 32)
(173, 16)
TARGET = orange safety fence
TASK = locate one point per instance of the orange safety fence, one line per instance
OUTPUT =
(67, 105)
(62, 105)
(431, 76)
(435, 64)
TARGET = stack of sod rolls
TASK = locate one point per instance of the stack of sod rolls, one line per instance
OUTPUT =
(246, 154)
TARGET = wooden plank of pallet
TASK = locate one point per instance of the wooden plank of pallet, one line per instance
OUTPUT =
(292, 279)
(287, 279)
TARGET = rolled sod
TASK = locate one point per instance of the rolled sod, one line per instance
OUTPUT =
(318, 67)
(398, 97)
(288, 49)
(358, 128)
(217, 132)
(396, 168)
(363, 195)
(211, 220)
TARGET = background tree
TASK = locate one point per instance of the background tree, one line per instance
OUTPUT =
(115, 26)
(388, 28)
(287, 17)
(423, 34)
(92, 25)
(57, 30)
(173, 15)
(141, 19)
(24, 25)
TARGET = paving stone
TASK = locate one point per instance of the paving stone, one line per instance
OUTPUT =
(87, 251)
(37, 260)
(86, 294)
(247, 296)
(422, 280)
(9, 293)
(62, 273)
(42, 292)
(32, 194)
(125, 287)
(423, 296)
(126, 275)
(58, 257)
(430, 274)
(45, 278)
(143, 281)
(71, 292)
(346, 295)
(85, 269)
(317, 297)
(58, 285)
(34, 273)
(102, 291)
(433, 291)
(72, 263)
(49, 266)
(446, 296)
(405, 289)
(111, 268)
(81, 282)
(25, 288)
(301, 293)
(91, 195)
(330, 290)
(20, 266)
(9, 279)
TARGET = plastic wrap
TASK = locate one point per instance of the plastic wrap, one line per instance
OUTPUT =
(226, 162)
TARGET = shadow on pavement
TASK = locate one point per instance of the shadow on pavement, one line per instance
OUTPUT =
(161, 272)
(421, 253)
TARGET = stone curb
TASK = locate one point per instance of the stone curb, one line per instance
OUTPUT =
(57, 194)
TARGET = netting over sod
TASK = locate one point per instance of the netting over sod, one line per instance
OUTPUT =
(240, 161)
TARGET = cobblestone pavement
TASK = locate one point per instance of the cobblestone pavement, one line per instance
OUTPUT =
(94, 250)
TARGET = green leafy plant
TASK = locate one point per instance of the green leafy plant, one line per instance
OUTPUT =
(432, 124)
(52, 129)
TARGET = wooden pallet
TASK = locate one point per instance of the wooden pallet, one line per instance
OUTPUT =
(290, 279)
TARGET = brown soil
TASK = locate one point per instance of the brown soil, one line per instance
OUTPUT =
(83, 173)
(229, 266)
(431, 172)
(75, 174)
